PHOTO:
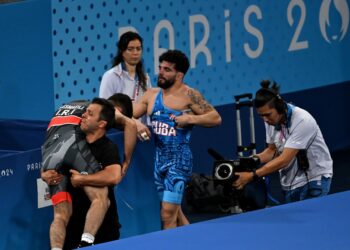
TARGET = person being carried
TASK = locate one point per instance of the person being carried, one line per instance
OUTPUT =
(296, 148)
(66, 146)
(174, 108)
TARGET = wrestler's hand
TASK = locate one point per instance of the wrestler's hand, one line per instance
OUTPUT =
(143, 132)
(76, 178)
(243, 179)
(125, 167)
(51, 177)
(183, 120)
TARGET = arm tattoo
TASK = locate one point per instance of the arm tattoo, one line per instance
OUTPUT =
(198, 100)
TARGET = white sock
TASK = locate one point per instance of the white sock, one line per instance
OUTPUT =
(56, 248)
(89, 238)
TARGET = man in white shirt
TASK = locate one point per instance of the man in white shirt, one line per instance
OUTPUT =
(296, 148)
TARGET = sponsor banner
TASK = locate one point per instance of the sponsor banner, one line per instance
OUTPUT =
(44, 199)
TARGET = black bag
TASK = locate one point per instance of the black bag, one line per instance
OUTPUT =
(204, 195)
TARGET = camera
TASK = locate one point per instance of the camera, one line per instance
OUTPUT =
(224, 170)
(223, 176)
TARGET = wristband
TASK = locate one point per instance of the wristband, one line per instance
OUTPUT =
(255, 176)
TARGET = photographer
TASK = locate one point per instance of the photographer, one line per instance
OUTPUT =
(296, 148)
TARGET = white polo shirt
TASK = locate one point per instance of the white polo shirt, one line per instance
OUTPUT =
(117, 80)
(303, 133)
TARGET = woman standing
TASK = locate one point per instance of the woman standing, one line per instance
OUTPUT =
(127, 75)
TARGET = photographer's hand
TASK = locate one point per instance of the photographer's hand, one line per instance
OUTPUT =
(243, 179)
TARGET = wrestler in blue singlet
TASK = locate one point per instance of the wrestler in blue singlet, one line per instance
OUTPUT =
(173, 159)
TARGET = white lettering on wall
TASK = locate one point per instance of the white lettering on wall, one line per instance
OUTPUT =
(201, 46)
(163, 24)
(227, 36)
(253, 9)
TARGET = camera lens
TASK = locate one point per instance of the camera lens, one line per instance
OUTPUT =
(223, 171)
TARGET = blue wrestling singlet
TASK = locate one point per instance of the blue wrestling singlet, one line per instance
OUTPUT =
(173, 159)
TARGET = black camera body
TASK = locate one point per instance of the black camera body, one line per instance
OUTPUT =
(224, 170)
(223, 176)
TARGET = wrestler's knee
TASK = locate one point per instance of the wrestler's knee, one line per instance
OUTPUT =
(168, 211)
(63, 212)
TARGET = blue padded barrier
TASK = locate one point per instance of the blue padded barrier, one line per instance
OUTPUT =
(21, 135)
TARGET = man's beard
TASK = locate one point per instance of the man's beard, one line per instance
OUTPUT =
(166, 83)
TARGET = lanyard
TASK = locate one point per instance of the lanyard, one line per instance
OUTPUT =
(136, 91)
(283, 136)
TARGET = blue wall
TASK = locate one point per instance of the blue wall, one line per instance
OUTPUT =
(56, 51)
(26, 84)
(232, 44)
